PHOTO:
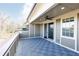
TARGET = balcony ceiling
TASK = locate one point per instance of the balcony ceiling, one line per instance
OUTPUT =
(56, 11)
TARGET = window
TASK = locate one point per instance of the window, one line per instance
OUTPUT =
(68, 27)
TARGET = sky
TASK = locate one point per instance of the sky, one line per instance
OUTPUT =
(16, 11)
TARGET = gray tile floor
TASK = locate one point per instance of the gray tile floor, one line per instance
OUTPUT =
(41, 47)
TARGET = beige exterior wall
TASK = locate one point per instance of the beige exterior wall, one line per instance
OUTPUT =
(41, 30)
(31, 30)
(58, 30)
(71, 43)
(37, 30)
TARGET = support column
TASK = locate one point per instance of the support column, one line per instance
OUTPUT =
(29, 30)
(47, 30)
(34, 30)
(55, 31)
(43, 30)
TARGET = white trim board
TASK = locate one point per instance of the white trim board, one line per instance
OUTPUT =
(8, 44)
(67, 47)
(63, 46)
(31, 37)
(52, 40)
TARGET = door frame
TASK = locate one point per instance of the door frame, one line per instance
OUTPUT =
(52, 30)
(45, 30)
(54, 33)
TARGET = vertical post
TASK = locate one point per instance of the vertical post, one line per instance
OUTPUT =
(43, 30)
(47, 30)
(60, 30)
(34, 30)
(75, 31)
(54, 31)
(29, 30)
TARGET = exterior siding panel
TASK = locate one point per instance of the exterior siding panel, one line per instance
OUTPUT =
(68, 43)
(37, 30)
(58, 25)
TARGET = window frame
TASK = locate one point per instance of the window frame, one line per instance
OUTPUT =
(68, 37)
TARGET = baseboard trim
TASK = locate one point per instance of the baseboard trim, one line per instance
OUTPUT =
(31, 37)
(63, 46)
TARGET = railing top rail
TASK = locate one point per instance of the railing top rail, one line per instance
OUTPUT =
(5, 47)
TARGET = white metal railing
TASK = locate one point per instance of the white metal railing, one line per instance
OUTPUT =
(24, 34)
(9, 48)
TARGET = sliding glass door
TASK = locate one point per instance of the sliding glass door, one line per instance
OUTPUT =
(45, 31)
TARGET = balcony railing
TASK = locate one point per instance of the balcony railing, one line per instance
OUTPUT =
(9, 48)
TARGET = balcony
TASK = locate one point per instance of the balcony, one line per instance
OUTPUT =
(41, 47)
(33, 46)
(35, 41)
